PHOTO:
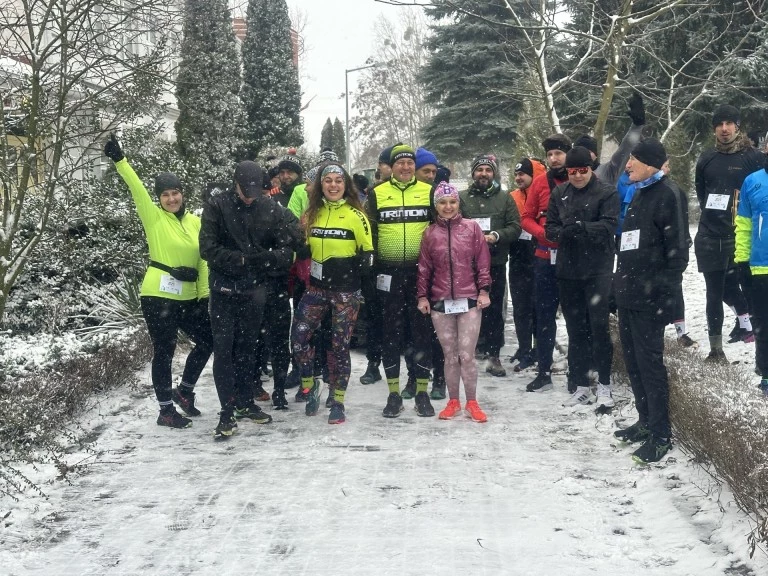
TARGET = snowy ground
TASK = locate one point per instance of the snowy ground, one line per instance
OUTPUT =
(538, 490)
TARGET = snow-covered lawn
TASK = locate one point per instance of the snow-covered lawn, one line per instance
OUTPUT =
(538, 490)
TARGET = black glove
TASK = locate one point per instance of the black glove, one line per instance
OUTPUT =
(744, 273)
(261, 259)
(572, 230)
(636, 109)
(112, 149)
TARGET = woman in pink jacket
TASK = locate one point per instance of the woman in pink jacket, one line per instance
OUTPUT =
(453, 284)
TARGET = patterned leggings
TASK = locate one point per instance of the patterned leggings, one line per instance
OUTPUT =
(313, 306)
(458, 336)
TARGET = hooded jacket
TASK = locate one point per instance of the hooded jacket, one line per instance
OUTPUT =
(535, 212)
(752, 221)
(498, 211)
(454, 261)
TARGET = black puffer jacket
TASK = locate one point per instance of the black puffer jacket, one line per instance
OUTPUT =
(231, 230)
(582, 221)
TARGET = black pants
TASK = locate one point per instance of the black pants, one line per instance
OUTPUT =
(372, 318)
(275, 331)
(547, 299)
(679, 306)
(164, 318)
(491, 339)
(758, 287)
(405, 329)
(523, 310)
(585, 306)
(642, 341)
(236, 323)
(722, 286)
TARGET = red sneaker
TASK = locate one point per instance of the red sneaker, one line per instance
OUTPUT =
(475, 412)
(452, 409)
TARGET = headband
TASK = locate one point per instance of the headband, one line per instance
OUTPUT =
(332, 169)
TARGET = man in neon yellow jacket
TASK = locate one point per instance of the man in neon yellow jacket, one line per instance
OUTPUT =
(174, 293)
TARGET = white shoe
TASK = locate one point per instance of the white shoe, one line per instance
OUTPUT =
(583, 396)
(604, 396)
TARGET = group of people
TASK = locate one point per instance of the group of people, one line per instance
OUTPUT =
(430, 263)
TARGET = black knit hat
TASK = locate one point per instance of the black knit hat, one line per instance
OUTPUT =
(525, 166)
(651, 152)
(726, 113)
(385, 155)
(360, 181)
(588, 142)
(578, 157)
(290, 162)
(557, 142)
(166, 181)
(485, 160)
(400, 152)
(250, 176)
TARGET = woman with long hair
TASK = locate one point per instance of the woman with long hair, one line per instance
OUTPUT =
(339, 239)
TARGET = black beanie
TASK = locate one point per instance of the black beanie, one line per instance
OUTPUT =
(166, 181)
(726, 113)
(588, 142)
(651, 152)
(385, 155)
(557, 142)
(578, 157)
(360, 181)
(525, 166)
(290, 162)
(443, 174)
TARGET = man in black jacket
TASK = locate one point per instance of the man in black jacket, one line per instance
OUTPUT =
(581, 218)
(245, 237)
(652, 257)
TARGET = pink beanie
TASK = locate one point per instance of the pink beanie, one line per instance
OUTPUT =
(445, 190)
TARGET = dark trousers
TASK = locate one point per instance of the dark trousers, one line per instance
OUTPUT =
(679, 306)
(373, 319)
(585, 307)
(642, 341)
(491, 339)
(758, 288)
(722, 286)
(523, 309)
(404, 328)
(275, 332)
(164, 318)
(547, 300)
(236, 323)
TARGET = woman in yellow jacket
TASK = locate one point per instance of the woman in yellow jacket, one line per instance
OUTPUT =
(174, 293)
(339, 238)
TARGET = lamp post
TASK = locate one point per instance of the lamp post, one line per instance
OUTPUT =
(346, 104)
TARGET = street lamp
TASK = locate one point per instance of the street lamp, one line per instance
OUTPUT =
(346, 104)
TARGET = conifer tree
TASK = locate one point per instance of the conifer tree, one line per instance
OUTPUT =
(338, 140)
(271, 91)
(208, 130)
(326, 135)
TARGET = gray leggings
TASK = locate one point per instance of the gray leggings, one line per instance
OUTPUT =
(458, 336)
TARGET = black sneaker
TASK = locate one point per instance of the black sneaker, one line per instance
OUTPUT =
(438, 388)
(652, 450)
(372, 374)
(336, 415)
(423, 405)
(541, 383)
(279, 401)
(394, 406)
(635, 433)
(716, 356)
(516, 356)
(313, 399)
(329, 400)
(734, 335)
(526, 360)
(410, 389)
(687, 342)
(302, 395)
(185, 401)
(226, 426)
(169, 417)
(252, 412)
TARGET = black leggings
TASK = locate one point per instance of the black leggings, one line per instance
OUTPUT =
(523, 309)
(491, 339)
(275, 332)
(722, 286)
(164, 318)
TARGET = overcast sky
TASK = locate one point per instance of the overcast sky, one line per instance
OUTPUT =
(339, 37)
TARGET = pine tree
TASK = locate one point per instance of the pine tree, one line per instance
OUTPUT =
(208, 130)
(339, 141)
(271, 91)
(326, 135)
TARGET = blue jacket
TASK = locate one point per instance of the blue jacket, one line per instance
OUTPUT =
(626, 190)
(752, 221)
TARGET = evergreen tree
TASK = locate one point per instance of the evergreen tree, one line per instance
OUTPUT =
(271, 91)
(208, 130)
(339, 141)
(326, 135)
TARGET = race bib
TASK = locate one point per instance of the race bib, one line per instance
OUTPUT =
(485, 223)
(630, 240)
(553, 256)
(526, 235)
(316, 270)
(456, 306)
(718, 201)
(170, 285)
(383, 282)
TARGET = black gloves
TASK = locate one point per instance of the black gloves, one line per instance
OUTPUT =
(636, 109)
(112, 149)
(572, 230)
(743, 273)
(261, 259)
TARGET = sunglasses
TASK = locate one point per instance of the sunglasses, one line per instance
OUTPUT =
(574, 171)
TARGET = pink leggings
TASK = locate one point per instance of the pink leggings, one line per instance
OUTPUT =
(458, 336)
